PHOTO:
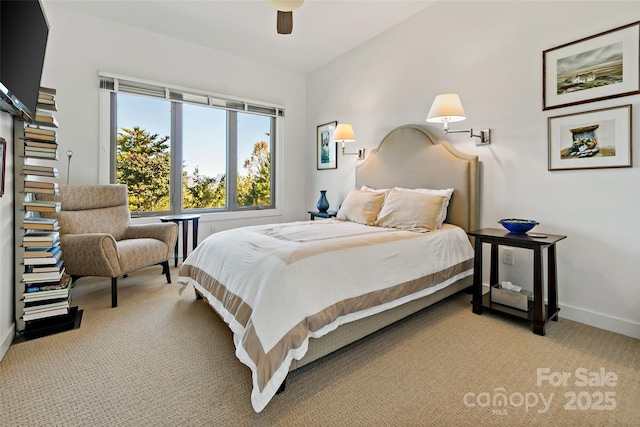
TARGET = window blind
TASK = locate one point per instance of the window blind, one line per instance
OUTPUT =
(134, 86)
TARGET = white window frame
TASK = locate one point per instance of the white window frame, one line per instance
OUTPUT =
(110, 83)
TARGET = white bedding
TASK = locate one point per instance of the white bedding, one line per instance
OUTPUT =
(278, 285)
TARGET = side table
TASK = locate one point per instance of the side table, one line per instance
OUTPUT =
(184, 220)
(325, 215)
(541, 313)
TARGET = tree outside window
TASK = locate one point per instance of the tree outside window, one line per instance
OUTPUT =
(144, 160)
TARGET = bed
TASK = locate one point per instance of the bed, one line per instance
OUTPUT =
(294, 292)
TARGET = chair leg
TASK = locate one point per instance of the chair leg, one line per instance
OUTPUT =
(166, 271)
(114, 292)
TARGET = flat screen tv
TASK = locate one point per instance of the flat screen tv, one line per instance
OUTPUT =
(23, 40)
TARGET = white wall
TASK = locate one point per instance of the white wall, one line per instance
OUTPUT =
(491, 54)
(80, 46)
(7, 323)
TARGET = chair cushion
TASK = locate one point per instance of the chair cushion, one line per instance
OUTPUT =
(138, 253)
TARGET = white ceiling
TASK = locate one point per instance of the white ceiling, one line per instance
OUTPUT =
(322, 29)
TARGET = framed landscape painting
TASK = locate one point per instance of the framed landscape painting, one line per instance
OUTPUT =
(326, 147)
(593, 139)
(602, 66)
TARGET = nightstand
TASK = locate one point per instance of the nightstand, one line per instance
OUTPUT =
(540, 314)
(325, 215)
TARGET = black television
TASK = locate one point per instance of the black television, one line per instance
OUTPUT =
(23, 40)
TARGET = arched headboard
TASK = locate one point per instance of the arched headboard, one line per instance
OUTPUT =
(409, 157)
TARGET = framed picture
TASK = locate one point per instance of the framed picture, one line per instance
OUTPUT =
(3, 158)
(326, 147)
(603, 66)
(593, 139)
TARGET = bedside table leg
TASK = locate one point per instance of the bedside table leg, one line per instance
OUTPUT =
(493, 271)
(538, 293)
(477, 278)
(538, 328)
(552, 283)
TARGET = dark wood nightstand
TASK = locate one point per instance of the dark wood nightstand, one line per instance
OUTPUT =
(541, 313)
(325, 215)
(184, 220)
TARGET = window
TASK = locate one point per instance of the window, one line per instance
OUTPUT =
(181, 151)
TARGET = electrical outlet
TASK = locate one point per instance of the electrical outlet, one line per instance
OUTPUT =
(507, 256)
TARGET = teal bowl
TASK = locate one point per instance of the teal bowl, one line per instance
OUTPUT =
(515, 225)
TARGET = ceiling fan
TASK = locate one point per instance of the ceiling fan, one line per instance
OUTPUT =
(285, 8)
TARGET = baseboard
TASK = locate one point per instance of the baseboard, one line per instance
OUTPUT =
(602, 321)
(597, 320)
(7, 340)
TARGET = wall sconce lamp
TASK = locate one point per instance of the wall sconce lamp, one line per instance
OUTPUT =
(446, 108)
(344, 133)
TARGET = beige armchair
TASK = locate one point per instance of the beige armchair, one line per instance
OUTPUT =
(97, 238)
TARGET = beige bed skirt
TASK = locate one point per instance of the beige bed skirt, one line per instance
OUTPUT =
(353, 331)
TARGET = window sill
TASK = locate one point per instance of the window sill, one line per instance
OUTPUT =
(217, 216)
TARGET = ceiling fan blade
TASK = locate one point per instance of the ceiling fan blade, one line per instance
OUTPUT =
(285, 22)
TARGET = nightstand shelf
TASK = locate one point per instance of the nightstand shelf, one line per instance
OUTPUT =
(526, 315)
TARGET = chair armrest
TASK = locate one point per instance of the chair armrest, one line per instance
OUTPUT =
(93, 254)
(165, 232)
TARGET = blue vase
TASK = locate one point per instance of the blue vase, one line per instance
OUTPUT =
(323, 203)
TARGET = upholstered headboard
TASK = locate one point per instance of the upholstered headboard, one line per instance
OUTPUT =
(409, 157)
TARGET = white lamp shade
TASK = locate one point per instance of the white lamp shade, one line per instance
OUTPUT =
(447, 107)
(344, 133)
(285, 5)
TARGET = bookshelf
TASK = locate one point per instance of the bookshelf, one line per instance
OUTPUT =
(42, 290)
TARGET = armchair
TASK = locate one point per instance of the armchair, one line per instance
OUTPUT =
(98, 239)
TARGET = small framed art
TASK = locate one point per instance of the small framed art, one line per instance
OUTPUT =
(593, 139)
(326, 147)
(602, 66)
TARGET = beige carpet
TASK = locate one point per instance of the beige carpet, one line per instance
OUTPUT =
(160, 359)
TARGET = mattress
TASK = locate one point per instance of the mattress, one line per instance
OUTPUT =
(278, 285)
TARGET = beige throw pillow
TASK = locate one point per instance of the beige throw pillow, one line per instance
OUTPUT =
(361, 207)
(412, 211)
(446, 193)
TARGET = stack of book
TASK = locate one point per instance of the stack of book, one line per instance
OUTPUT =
(43, 118)
(42, 206)
(47, 299)
(40, 187)
(46, 99)
(40, 239)
(38, 170)
(40, 142)
(40, 224)
(46, 286)
(43, 299)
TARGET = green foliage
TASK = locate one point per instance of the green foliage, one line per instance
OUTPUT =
(254, 189)
(200, 191)
(143, 163)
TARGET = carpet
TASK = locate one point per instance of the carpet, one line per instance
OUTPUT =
(166, 359)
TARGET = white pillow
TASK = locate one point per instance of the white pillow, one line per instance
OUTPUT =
(374, 190)
(410, 210)
(446, 193)
(361, 206)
